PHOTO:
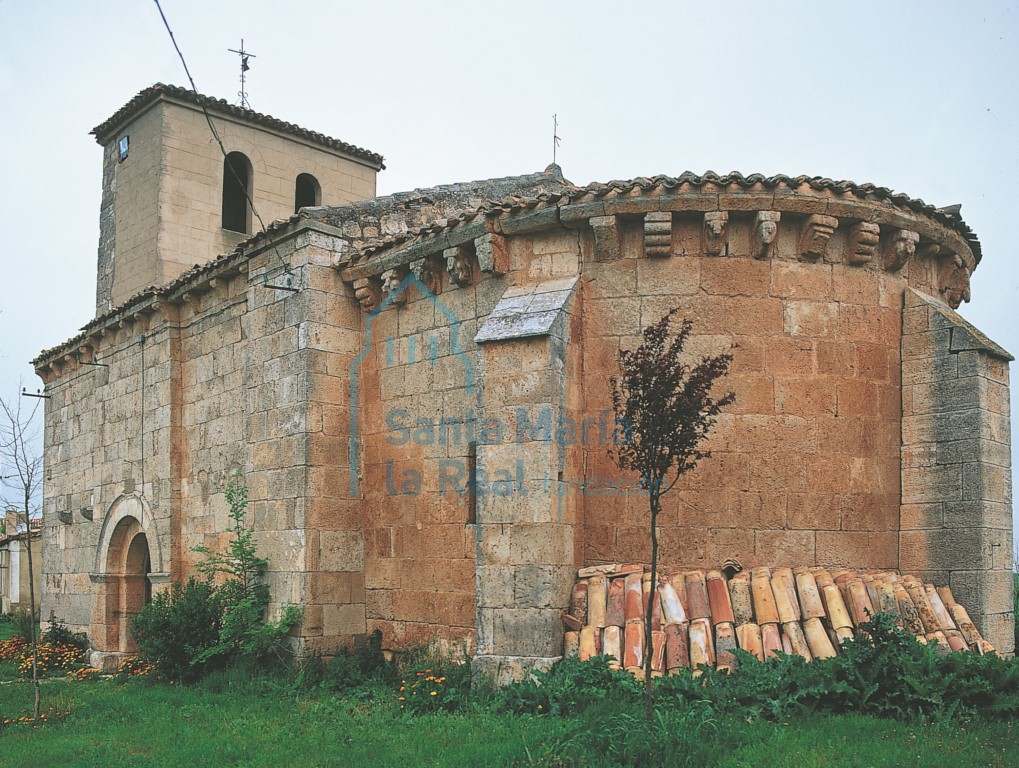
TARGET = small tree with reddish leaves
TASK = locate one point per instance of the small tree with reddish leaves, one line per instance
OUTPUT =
(664, 409)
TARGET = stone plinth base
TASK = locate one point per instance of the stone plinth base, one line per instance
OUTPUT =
(106, 661)
(510, 669)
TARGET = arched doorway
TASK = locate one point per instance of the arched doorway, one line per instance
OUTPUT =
(128, 588)
(128, 564)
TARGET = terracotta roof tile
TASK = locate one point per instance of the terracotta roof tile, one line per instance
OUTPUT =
(157, 91)
(948, 216)
(718, 626)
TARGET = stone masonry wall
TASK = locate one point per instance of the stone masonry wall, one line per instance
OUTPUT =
(419, 397)
(956, 522)
(529, 533)
(297, 385)
(100, 451)
(401, 475)
(805, 464)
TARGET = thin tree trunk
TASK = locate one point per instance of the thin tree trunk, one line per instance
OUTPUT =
(31, 607)
(649, 701)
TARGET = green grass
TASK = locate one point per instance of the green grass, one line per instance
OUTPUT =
(259, 724)
(158, 725)
(855, 741)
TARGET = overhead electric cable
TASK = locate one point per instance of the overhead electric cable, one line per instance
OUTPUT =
(219, 141)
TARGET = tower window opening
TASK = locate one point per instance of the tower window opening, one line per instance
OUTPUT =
(237, 186)
(307, 192)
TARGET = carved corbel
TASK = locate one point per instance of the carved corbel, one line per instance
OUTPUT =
(493, 253)
(658, 234)
(715, 234)
(928, 250)
(864, 238)
(368, 292)
(220, 288)
(953, 276)
(166, 309)
(119, 330)
(606, 237)
(458, 265)
(900, 248)
(428, 273)
(341, 256)
(766, 233)
(193, 300)
(814, 236)
(392, 280)
(141, 320)
(46, 373)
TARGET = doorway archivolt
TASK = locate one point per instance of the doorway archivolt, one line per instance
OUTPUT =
(128, 556)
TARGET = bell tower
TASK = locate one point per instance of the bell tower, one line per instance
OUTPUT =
(173, 198)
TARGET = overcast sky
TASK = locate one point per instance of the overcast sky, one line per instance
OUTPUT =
(921, 97)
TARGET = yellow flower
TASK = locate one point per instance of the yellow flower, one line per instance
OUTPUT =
(432, 693)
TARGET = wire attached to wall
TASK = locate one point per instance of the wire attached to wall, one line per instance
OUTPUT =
(141, 391)
(219, 141)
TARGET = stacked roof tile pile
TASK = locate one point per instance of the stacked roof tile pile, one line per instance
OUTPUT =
(702, 617)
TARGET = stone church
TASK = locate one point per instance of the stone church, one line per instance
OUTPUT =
(416, 386)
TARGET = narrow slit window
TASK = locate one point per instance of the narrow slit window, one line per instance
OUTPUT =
(472, 483)
(307, 192)
(237, 178)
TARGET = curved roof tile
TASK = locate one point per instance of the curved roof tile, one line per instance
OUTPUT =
(947, 216)
(154, 92)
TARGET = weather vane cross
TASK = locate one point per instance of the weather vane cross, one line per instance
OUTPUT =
(245, 55)
(555, 136)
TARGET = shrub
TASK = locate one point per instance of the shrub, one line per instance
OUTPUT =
(57, 632)
(12, 648)
(244, 635)
(134, 666)
(176, 630)
(570, 687)
(884, 672)
(199, 626)
(349, 669)
(86, 673)
(23, 624)
(50, 657)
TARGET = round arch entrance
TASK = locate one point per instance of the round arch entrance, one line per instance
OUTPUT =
(128, 560)
(128, 589)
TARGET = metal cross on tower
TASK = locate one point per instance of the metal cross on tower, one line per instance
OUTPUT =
(245, 55)
(555, 136)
